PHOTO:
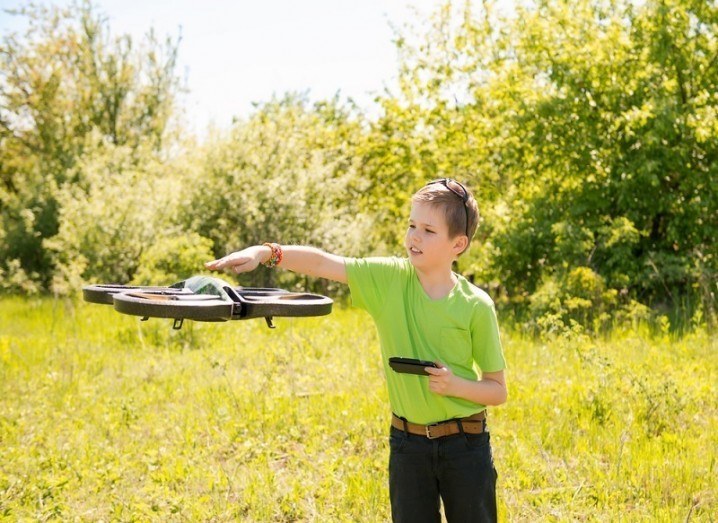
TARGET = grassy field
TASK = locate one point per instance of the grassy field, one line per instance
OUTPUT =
(105, 418)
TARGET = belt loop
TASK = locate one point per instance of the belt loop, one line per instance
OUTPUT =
(406, 427)
(461, 428)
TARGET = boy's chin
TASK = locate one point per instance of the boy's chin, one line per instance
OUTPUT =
(419, 261)
(414, 258)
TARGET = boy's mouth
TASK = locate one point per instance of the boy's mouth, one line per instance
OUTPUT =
(414, 250)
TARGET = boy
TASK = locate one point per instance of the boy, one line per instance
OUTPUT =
(439, 444)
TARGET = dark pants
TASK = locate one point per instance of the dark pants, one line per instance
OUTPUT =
(459, 469)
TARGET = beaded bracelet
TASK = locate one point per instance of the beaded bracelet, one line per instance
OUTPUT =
(276, 257)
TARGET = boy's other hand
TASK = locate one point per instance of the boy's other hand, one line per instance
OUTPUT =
(441, 379)
(245, 260)
(489, 390)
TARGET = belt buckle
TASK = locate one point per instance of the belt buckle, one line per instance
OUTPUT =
(428, 431)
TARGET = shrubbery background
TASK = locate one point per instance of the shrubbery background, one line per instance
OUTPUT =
(587, 130)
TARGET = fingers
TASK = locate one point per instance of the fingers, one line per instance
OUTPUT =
(438, 386)
(439, 379)
(237, 263)
(230, 260)
(212, 265)
(217, 264)
(438, 371)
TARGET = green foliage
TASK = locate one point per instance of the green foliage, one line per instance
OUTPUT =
(433, 126)
(171, 259)
(586, 130)
(109, 418)
(14, 279)
(117, 211)
(622, 178)
(286, 175)
(66, 85)
(582, 298)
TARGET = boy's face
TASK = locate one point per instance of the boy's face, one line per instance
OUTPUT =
(427, 239)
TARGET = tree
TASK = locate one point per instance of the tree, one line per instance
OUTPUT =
(619, 148)
(67, 85)
(438, 122)
(287, 174)
(587, 129)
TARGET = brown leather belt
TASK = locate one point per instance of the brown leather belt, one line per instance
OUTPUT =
(475, 424)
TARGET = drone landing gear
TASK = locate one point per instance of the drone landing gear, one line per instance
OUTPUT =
(178, 322)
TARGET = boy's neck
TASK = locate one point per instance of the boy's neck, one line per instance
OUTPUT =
(437, 284)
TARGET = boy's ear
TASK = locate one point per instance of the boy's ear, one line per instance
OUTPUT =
(461, 242)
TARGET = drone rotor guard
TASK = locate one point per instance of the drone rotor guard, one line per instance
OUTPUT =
(104, 293)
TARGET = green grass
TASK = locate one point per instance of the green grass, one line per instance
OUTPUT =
(104, 417)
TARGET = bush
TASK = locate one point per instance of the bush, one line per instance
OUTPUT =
(125, 199)
(172, 259)
(14, 279)
(578, 297)
(286, 175)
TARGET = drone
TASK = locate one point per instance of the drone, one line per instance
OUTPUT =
(206, 298)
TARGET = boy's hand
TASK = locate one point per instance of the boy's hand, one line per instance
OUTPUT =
(489, 390)
(441, 380)
(241, 261)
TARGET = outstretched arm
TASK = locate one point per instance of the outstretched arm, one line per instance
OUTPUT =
(304, 260)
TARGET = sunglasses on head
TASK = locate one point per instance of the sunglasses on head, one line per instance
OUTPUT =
(460, 191)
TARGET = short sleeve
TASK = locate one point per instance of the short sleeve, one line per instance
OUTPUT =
(486, 342)
(370, 279)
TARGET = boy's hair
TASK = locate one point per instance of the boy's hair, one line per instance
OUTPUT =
(457, 202)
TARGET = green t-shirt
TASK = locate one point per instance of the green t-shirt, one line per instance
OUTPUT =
(460, 330)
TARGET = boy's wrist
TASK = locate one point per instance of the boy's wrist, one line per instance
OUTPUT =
(275, 256)
(264, 253)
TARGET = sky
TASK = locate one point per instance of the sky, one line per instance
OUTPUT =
(236, 52)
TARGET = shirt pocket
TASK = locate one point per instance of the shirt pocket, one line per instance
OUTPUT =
(456, 348)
